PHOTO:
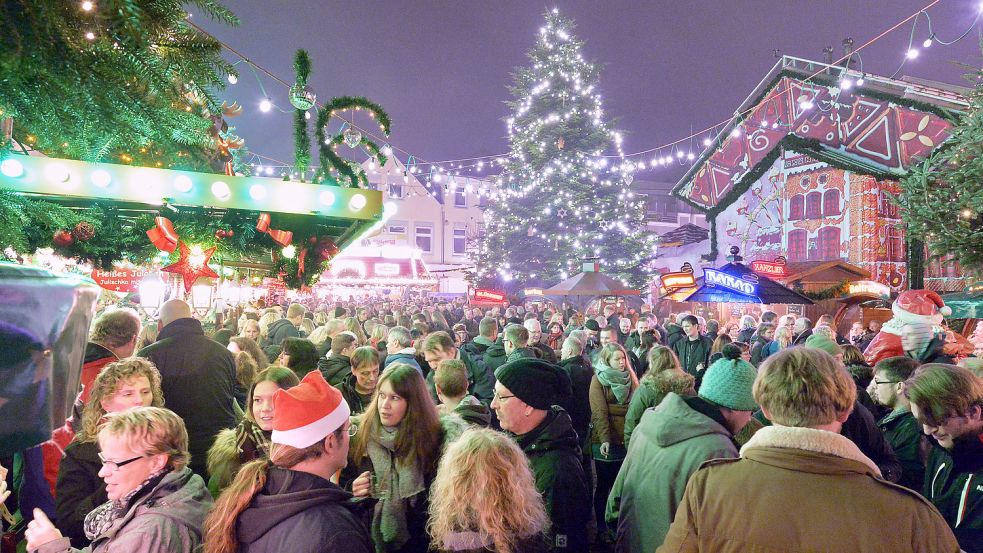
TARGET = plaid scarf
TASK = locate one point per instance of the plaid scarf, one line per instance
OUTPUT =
(103, 517)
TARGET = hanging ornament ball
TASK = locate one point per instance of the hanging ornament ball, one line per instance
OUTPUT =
(220, 234)
(302, 97)
(352, 137)
(83, 231)
(63, 238)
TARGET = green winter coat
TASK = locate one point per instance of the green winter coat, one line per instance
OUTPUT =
(651, 390)
(669, 445)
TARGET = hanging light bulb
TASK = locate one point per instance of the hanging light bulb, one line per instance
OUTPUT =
(87, 6)
(265, 105)
(233, 79)
(928, 42)
(912, 53)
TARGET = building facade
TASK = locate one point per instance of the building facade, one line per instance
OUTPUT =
(442, 219)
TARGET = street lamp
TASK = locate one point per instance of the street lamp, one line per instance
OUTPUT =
(152, 290)
(201, 296)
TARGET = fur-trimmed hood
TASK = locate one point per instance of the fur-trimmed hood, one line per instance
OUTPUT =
(808, 439)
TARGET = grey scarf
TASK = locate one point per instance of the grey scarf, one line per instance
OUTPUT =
(401, 486)
(102, 518)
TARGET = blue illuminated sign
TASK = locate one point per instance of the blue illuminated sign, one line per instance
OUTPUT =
(713, 277)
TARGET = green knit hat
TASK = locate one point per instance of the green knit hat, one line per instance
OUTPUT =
(728, 383)
(819, 341)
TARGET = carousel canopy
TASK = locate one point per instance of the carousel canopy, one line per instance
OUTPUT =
(966, 305)
(736, 283)
(590, 283)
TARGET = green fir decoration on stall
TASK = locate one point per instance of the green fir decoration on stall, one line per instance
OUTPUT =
(303, 99)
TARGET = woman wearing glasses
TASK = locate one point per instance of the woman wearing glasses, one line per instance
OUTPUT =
(122, 385)
(156, 504)
(394, 456)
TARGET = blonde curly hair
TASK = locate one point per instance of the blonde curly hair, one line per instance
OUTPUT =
(484, 484)
(107, 383)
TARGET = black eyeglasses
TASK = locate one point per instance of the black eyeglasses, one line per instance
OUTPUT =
(116, 465)
(503, 398)
(886, 381)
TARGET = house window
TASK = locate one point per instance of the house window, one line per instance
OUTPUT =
(829, 244)
(885, 206)
(460, 198)
(893, 244)
(424, 238)
(797, 245)
(397, 227)
(795, 208)
(814, 205)
(460, 240)
(395, 190)
(831, 202)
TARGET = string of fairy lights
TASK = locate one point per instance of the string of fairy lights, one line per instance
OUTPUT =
(490, 169)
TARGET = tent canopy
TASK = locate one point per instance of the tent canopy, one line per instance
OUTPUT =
(966, 305)
(590, 283)
(767, 291)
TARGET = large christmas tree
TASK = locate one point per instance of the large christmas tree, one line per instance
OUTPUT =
(942, 198)
(559, 199)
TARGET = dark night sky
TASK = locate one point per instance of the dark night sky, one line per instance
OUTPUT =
(440, 68)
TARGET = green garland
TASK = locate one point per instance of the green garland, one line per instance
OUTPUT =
(302, 140)
(831, 293)
(330, 161)
(30, 224)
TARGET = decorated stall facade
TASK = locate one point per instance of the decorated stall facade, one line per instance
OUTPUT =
(181, 222)
(810, 170)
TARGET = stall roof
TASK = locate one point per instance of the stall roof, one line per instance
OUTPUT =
(966, 305)
(686, 234)
(768, 291)
(590, 283)
(823, 272)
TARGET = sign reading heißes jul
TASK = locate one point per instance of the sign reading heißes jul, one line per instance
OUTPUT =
(119, 279)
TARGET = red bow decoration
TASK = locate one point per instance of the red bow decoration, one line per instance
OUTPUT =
(163, 236)
(281, 237)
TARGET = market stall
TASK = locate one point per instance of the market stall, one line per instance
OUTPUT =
(590, 290)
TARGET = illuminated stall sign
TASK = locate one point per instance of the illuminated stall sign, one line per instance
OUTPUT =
(770, 268)
(869, 288)
(488, 295)
(714, 277)
(533, 292)
(387, 269)
(119, 279)
(682, 279)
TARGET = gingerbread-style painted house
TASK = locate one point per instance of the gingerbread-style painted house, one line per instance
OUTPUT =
(808, 170)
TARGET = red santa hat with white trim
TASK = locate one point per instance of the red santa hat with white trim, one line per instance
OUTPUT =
(920, 306)
(308, 412)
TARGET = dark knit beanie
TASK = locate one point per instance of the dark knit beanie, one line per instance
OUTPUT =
(536, 382)
(591, 324)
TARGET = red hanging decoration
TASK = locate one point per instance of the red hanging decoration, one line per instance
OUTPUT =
(83, 231)
(222, 234)
(163, 236)
(281, 237)
(192, 264)
(62, 238)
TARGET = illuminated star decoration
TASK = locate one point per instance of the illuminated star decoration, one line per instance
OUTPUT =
(192, 264)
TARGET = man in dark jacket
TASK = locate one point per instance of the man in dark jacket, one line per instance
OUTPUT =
(544, 352)
(580, 373)
(197, 376)
(451, 382)
(338, 365)
(948, 402)
(635, 338)
(439, 346)
(299, 508)
(283, 328)
(801, 331)
(674, 333)
(900, 428)
(399, 348)
(693, 351)
(516, 342)
(525, 401)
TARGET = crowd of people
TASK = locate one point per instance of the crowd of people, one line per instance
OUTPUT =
(419, 426)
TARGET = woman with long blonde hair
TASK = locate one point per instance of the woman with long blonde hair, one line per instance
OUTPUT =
(120, 386)
(484, 498)
(664, 376)
(355, 327)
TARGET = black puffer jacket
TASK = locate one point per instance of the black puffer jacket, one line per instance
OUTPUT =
(303, 513)
(79, 490)
(279, 330)
(578, 407)
(952, 484)
(356, 401)
(554, 456)
(198, 378)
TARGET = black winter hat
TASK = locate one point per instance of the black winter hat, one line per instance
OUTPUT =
(591, 324)
(536, 382)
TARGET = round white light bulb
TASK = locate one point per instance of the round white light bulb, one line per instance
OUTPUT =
(233, 79)
(101, 178)
(11, 168)
(327, 197)
(257, 192)
(182, 183)
(265, 105)
(221, 190)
